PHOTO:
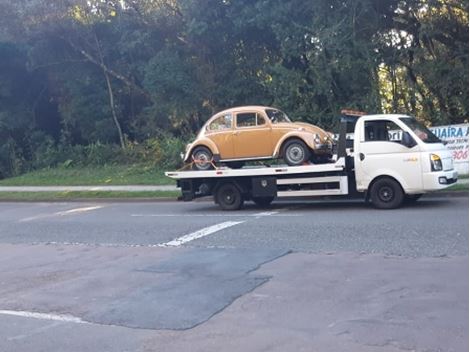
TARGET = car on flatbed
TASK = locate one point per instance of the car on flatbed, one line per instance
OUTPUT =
(393, 159)
(247, 133)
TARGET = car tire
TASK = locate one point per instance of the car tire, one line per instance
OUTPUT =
(202, 159)
(229, 197)
(295, 152)
(263, 201)
(386, 193)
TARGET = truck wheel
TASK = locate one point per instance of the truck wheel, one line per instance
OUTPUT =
(262, 201)
(202, 159)
(295, 152)
(386, 193)
(229, 197)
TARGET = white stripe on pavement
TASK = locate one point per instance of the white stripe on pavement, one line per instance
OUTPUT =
(44, 316)
(78, 210)
(199, 234)
(61, 213)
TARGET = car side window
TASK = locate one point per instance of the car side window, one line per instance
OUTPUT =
(382, 130)
(223, 122)
(246, 119)
(260, 120)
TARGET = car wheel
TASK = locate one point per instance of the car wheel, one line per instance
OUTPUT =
(202, 159)
(262, 201)
(229, 197)
(235, 164)
(386, 193)
(295, 152)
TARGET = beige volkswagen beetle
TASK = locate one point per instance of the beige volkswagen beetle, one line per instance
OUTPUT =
(246, 133)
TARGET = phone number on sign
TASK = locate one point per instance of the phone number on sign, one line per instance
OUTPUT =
(460, 154)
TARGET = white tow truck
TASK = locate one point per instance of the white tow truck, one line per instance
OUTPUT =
(391, 159)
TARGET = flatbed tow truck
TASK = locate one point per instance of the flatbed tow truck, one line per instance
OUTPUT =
(392, 159)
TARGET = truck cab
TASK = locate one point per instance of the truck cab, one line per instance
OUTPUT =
(398, 151)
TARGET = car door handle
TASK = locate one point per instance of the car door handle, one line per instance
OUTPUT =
(236, 133)
(362, 156)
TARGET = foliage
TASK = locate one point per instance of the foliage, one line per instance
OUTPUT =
(91, 82)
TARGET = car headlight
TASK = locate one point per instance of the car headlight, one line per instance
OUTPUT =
(316, 138)
(436, 163)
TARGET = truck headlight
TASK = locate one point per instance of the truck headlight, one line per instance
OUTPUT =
(436, 163)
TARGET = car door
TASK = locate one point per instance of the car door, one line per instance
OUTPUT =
(381, 152)
(252, 136)
(220, 131)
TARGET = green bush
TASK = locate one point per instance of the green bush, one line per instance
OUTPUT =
(162, 152)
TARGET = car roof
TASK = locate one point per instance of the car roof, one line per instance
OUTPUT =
(246, 108)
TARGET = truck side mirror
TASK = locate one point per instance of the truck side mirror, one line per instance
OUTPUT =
(407, 140)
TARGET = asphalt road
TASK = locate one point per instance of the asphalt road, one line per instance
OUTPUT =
(172, 276)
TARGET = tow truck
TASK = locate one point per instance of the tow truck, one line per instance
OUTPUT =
(391, 159)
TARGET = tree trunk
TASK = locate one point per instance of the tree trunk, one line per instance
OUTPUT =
(113, 110)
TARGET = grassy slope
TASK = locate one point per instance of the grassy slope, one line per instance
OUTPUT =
(38, 196)
(104, 175)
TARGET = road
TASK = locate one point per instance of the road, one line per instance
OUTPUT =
(172, 276)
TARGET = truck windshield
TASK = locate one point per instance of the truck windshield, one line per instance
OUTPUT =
(421, 131)
(277, 116)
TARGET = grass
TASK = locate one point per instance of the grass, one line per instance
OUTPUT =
(47, 196)
(85, 176)
(457, 187)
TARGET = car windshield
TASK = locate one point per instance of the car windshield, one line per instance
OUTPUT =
(421, 131)
(277, 116)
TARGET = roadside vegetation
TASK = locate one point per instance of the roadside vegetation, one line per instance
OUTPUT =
(79, 195)
(136, 174)
(118, 85)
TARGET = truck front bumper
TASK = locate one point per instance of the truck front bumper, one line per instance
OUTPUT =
(433, 181)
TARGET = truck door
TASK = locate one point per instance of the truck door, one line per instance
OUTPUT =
(381, 150)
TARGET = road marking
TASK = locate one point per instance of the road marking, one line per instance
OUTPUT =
(45, 316)
(78, 210)
(199, 234)
(208, 215)
(61, 213)
(266, 213)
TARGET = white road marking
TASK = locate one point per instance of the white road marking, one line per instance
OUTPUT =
(45, 316)
(78, 210)
(237, 215)
(201, 233)
(266, 213)
(61, 213)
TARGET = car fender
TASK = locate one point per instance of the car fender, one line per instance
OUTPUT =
(306, 137)
(204, 142)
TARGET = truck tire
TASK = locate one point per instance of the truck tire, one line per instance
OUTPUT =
(295, 152)
(202, 159)
(386, 193)
(229, 197)
(262, 201)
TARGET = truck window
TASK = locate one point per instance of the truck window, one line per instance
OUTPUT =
(382, 130)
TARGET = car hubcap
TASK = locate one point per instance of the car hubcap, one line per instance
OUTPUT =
(202, 159)
(296, 153)
(386, 194)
